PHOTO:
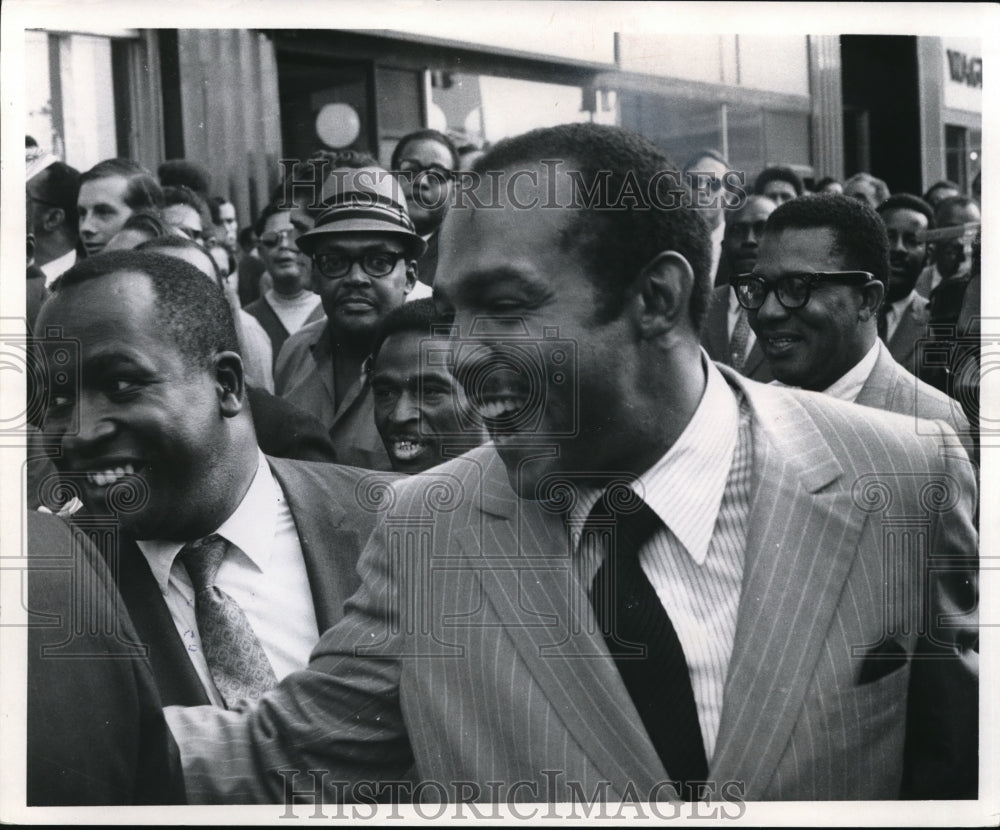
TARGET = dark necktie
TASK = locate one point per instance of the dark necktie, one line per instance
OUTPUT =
(235, 657)
(882, 323)
(643, 642)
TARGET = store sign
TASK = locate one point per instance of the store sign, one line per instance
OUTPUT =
(963, 73)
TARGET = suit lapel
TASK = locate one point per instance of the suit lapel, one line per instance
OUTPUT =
(329, 549)
(547, 614)
(754, 359)
(176, 678)
(881, 383)
(801, 542)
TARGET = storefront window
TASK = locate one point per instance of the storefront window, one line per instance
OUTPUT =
(486, 108)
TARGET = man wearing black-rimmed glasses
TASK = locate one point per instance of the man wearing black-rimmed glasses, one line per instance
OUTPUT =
(814, 300)
(364, 250)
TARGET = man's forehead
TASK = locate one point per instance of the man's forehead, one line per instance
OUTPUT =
(800, 246)
(105, 295)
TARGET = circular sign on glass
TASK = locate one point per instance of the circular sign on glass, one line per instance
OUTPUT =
(338, 125)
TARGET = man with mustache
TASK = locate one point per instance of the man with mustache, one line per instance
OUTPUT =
(364, 250)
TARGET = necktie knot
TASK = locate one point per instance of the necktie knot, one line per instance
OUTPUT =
(203, 558)
(624, 518)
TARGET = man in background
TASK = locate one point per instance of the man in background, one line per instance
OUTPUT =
(364, 250)
(727, 335)
(53, 188)
(421, 411)
(110, 192)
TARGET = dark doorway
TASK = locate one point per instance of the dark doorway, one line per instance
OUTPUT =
(882, 109)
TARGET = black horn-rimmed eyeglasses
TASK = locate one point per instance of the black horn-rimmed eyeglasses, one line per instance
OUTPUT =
(792, 290)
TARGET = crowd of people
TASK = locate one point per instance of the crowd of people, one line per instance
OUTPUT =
(416, 482)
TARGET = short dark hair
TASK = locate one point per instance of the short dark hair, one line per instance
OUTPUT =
(193, 309)
(143, 191)
(940, 184)
(824, 182)
(184, 173)
(781, 174)
(952, 202)
(214, 204)
(150, 223)
(419, 315)
(617, 243)
(246, 237)
(177, 242)
(859, 234)
(270, 209)
(181, 195)
(434, 135)
(907, 201)
(58, 185)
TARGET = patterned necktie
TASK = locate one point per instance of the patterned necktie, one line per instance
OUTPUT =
(738, 342)
(643, 642)
(235, 657)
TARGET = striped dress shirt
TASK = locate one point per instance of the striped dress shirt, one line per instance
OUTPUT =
(701, 490)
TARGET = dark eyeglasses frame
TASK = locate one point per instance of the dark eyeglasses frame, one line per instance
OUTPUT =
(322, 263)
(781, 286)
(410, 171)
(271, 239)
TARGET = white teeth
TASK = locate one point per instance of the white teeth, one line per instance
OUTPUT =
(105, 477)
(499, 407)
(407, 450)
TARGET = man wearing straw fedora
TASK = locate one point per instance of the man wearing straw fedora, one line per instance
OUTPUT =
(364, 250)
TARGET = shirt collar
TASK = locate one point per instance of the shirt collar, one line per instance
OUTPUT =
(251, 527)
(848, 385)
(701, 457)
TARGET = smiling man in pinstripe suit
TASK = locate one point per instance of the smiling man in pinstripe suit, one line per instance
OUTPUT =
(478, 652)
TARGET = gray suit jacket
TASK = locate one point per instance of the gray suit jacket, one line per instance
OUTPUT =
(471, 649)
(892, 388)
(911, 329)
(332, 532)
(715, 338)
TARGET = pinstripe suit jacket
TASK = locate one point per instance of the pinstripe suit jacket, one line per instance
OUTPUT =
(470, 649)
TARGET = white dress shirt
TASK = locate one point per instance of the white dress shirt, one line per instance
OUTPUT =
(264, 572)
(695, 561)
(59, 266)
(848, 386)
(894, 313)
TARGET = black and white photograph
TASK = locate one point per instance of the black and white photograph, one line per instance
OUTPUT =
(499, 412)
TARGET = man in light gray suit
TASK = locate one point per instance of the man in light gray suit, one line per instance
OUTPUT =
(821, 333)
(659, 580)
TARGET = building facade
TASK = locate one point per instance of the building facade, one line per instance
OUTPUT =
(905, 108)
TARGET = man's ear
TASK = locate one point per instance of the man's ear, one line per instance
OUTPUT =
(665, 285)
(411, 276)
(229, 382)
(54, 217)
(872, 293)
